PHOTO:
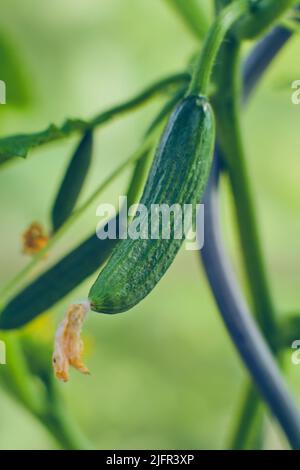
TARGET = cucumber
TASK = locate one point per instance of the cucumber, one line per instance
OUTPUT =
(59, 280)
(178, 175)
(73, 181)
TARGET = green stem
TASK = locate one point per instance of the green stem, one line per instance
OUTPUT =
(17, 375)
(60, 424)
(63, 430)
(49, 411)
(193, 15)
(141, 99)
(213, 41)
(227, 103)
(259, 18)
(227, 110)
(250, 407)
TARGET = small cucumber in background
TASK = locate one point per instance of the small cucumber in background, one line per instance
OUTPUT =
(73, 181)
(178, 175)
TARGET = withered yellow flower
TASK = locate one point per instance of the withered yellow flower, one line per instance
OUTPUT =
(68, 345)
(34, 239)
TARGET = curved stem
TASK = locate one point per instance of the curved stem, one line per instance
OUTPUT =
(213, 41)
(49, 411)
(259, 59)
(141, 98)
(255, 66)
(248, 410)
(61, 425)
(17, 375)
(62, 428)
(240, 324)
(226, 106)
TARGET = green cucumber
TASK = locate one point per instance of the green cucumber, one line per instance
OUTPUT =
(73, 181)
(60, 279)
(178, 175)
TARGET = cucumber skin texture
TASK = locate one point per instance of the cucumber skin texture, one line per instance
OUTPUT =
(178, 175)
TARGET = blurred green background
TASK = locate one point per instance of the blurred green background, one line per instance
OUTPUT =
(165, 375)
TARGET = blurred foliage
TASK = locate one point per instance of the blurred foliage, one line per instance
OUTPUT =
(13, 73)
(164, 375)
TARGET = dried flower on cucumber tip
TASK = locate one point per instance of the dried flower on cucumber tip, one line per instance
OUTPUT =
(68, 345)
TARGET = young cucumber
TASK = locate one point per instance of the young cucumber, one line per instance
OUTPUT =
(178, 175)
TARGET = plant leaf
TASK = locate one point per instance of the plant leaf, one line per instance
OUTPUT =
(73, 181)
(19, 145)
